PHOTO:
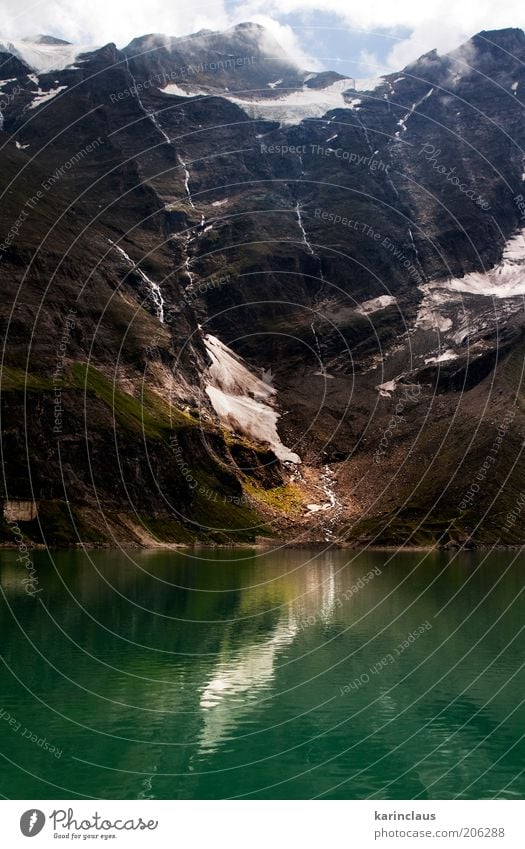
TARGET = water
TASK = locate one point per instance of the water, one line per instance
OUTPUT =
(239, 673)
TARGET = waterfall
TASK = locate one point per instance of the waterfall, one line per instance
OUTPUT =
(301, 227)
(151, 115)
(416, 252)
(154, 288)
(186, 180)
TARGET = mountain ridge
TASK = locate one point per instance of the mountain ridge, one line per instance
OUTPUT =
(344, 252)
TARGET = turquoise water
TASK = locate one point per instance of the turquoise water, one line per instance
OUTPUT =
(242, 673)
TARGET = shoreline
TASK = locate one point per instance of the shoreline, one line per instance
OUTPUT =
(276, 545)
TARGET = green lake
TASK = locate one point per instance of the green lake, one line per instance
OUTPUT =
(244, 673)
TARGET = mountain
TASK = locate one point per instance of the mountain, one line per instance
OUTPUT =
(243, 299)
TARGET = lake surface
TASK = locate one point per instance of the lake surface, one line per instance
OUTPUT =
(241, 673)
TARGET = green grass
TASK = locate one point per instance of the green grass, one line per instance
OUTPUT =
(208, 521)
(218, 511)
(17, 379)
(149, 415)
(223, 516)
(288, 499)
(167, 530)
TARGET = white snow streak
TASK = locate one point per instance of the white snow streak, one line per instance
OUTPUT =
(241, 400)
(44, 96)
(376, 304)
(449, 354)
(301, 227)
(177, 91)
(402, 121)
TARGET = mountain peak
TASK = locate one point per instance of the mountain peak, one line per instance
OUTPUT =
(500, 35)
(511, 39)
(249, 25)
(49, 40)
(43, 53)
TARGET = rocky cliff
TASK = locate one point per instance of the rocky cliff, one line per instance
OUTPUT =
(242, 299)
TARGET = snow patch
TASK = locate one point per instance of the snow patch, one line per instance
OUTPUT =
(44, 96)
(447, 355)
(242, 400)
(177, 91)
(376, 304)
(505, 280)
(43, 58)
(369, 84)
(297, 105)
(385, 389)
(429, 318)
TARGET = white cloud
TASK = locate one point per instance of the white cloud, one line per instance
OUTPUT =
(427, 36)
(286, 37)
(98, 22)
(466, 14)
(101, 21)
(371, 64)
(431, 23)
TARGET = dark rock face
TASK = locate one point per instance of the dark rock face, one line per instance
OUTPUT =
(245, 58)
(315, 229)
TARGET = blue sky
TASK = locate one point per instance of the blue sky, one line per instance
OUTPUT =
(349, 50)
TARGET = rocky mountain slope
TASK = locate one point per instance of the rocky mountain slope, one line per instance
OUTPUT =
(242, 299)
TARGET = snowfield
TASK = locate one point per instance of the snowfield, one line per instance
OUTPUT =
(294, 107)
(505, 280)
(45, 57)
(289, 107)
(241, 400)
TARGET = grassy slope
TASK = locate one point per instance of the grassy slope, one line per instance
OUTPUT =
(218, 512)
